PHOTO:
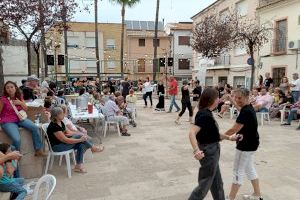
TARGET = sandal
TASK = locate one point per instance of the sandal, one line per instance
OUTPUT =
(80, 170)
(125, 134)
(98, 149)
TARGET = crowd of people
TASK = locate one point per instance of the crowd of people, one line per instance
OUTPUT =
(116, 100)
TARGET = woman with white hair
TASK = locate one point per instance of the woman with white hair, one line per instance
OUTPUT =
(57, 133)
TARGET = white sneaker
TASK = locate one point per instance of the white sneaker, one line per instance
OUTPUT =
(251, 197)
(28, 189)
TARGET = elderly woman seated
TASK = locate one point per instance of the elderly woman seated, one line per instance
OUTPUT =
(60, 141)
(77, 130)
(113, 112)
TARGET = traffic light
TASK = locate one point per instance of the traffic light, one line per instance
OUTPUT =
(170, 62)
(50, 59)
(162, 62)
(61, 60)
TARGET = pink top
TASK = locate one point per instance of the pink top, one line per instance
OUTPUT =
(265, 100)
(8, 114)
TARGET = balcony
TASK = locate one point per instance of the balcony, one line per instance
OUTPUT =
(223, 60)
(263, 3)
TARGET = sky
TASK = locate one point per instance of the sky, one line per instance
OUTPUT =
(170, 11)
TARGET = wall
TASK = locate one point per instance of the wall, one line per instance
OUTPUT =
(281, 10)
(15, 63)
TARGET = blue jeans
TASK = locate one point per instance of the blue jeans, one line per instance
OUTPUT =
(173, 103)
(295, 95)
(12, 131)
(292, 115)
(79, 147)
(263, 110)
(15, 187)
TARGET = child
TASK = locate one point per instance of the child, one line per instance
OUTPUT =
(7, 182)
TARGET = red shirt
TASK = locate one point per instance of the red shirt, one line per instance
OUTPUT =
(8, 115)
(173, 84)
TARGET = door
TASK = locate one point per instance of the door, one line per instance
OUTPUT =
(278, 73)
(238, 81)
(223, 80)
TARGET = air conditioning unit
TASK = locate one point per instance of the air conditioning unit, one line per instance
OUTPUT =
(294, 44)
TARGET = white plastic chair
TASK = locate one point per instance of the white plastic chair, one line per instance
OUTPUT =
(52, 154)
(50, 182)
(262, 116)
(282, 114)
(107, 125)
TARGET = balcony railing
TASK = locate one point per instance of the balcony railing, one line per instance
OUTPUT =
(279, 45)
(223, 60)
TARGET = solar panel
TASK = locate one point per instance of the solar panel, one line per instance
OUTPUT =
(143, 25)
(136, 25)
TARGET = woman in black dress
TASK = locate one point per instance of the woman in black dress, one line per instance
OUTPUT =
(161, 97)
(186, 102)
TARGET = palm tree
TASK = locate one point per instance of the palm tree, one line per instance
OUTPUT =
(124, 4)
(155, 63)
(97, 38)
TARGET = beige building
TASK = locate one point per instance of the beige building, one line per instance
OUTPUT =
(82, 49)
(280, 56)
(231, 67)
(140, 49)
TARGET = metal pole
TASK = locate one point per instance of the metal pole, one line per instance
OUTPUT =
(55, 64)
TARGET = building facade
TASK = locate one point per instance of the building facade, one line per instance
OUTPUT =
(181, 50)
(280, 56)
(82, 50)
(140, 50)
(230, 67)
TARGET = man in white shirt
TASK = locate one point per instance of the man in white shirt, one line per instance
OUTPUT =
(295, 87)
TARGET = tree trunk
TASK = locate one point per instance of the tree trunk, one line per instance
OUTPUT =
(38, 62)
(252, 66)
(28, 45)
(44, 53)
(64, 18)
(1, 71)
(155, 59)
(122, 41)
(97, 39)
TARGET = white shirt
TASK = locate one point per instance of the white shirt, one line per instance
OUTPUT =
(148, 87)
(67, 121)
(297, 83)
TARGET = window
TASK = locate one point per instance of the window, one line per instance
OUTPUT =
(141, 65)
(73, 41)
(142, 42)
(184, 40)
(238, 81)
(110, 44)
(209, 81)
(277, 75)
(158, 42)
(90, 42)
(242, 8)
(238, 51)
(111, 64)
(184, 64)
(280, 36)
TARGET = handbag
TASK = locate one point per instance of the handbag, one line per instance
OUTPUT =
(22, 115)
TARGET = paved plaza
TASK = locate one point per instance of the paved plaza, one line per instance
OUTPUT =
(156, 163)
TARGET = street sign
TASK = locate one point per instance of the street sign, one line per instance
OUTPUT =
(250, 61)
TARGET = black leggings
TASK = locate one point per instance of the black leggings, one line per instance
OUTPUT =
(187, 105)
(145, 97)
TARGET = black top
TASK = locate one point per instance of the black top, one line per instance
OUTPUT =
(53, 128)
(28, 94)
(197, 90)
(209, 132)
(125, 90)
(185, 95)
(160, 89)
(250, 141)
(268, 82)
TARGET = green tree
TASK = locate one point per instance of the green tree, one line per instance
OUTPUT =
(124, 4)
